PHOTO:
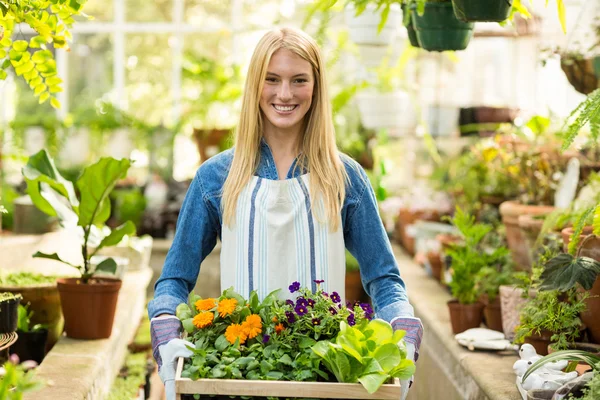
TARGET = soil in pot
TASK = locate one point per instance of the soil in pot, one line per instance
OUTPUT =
(89, 309)
(30, 345)
(465, 316)
(9, 305)
(438, 29)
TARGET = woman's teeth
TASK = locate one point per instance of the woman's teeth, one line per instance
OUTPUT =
(284, 108)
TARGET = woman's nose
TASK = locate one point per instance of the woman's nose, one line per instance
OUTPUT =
(285, 91)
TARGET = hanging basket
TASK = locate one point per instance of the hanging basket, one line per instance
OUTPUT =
(410, 29)
(477, 10)
(438, 29)
(580, 73)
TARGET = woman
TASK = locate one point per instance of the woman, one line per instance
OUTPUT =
(285, 203)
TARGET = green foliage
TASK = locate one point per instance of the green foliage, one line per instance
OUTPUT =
(581, 222)
(6, 296)
(129, 205)
(133, 375)
(370, 353)
(564, 271)
(24, 320)
(32, 59)
(489, 280)
(569, 355)
(592, 390)
(17, 381)
(547, 311)
(23, 278)
(49, 191)
(586, 112)
(8, 197)
(470, 257)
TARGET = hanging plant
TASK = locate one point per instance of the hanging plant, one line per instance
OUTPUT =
(32, 59)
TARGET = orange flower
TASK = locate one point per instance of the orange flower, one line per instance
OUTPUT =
(205, 304)
(274, 319)
(252, 326)
(203, 319)
(279, 328)
(226, 307)
(234, 332)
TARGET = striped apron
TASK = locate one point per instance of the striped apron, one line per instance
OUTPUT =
(277, 240)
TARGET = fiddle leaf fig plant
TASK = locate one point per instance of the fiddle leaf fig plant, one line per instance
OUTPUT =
(56, 196)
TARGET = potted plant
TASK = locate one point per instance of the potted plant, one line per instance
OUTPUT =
(17, 379)
(475, 11)
(88, 303)
(31, 344)
(551, 318)
(437, 27)
(489, 280)
(9, 304)
(468, 259)
(40, 294)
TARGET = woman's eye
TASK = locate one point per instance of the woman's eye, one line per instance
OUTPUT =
(271, 80)
(301, 80)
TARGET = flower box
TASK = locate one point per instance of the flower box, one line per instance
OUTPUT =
(242, 387)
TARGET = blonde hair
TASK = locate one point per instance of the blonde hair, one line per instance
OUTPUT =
(319, 155)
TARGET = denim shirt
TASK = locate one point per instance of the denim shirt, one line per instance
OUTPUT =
(200, 221)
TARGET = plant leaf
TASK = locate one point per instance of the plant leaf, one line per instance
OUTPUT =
(564, 271)
(372, 382)
(40, 168)
(382, 330)
(404, 370)
(54, 257)
(116, 235)
(95, 184)
(388, 356)
(188, 325)
(569, 355)
(221, 343)
(109, 265)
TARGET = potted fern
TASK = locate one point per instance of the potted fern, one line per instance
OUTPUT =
(468, 259)
(88, 302)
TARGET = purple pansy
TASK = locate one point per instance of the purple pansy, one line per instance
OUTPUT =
(301, 310)
(294, 287)
(351, 320)
(266, 338)
(311, 303)
(324, 294)
(289, 302)
(335, 297)
(301, 301)
(290, 317)
(319, 281)
(316, 321)
(332, 310)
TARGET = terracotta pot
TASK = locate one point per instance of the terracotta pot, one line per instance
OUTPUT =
(511, 302)
(354, 288)
(408, 217)
(435, 262)
(89, 309)
(589, 246)
(511, 211)
(493, 315)
(540, 342)
(465, 316)
(44, 301)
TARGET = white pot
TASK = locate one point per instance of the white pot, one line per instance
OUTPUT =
(387, 110)
(363, 28)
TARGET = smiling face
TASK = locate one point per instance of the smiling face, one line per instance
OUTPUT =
(287, 92)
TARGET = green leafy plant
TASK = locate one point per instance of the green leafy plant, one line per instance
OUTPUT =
(370, 353)
(24, 320)
(588, 111)
(56, 196)
(6, 296)
(592, 389)
(564, 272)
(16, 380)
(51, 19)
(470, 257)
(489, 280)
(555, 312)
(132, 376)
(23, 278)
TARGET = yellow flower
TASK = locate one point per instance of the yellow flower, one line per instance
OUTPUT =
(226, 307)
(205, 304)
(252, 325)
(203, 319)
(235, 331)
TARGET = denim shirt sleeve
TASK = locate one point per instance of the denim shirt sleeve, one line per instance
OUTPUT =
(195, 237)
(367, 240)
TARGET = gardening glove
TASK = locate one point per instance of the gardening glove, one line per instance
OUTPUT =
(414, 334)
(164, 331)
(169, 353)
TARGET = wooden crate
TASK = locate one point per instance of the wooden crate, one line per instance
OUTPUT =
(243, 387)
